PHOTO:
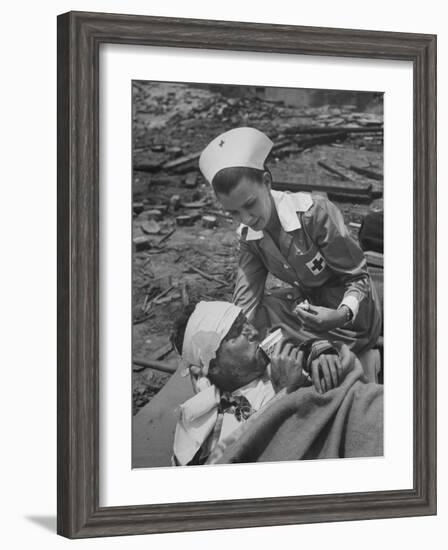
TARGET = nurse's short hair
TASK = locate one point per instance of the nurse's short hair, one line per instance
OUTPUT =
(227, 179)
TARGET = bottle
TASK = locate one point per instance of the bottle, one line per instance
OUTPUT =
(268, 345)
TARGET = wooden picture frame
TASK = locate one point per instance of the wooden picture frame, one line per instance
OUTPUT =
(79, 38)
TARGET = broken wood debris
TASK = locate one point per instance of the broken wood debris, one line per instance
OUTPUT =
(149, 166)
(367, 172)
(290, 146)
(166, 237)
(158, 354)
(162, 366)
(321, 139)
(326, 129)
(333, 170)
(139, 320)
(182, 164)
(184, 294)
(206, 275)
(148, 303)
(361, 192)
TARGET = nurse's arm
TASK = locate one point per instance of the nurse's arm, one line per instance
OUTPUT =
(342, 253)
(250, 281)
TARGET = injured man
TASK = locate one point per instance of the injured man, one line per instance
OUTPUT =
(270, 400)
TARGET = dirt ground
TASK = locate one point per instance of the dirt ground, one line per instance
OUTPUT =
(175, 263)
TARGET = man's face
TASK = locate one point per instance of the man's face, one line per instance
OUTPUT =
(239, 359)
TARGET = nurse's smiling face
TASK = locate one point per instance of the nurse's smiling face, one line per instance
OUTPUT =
(249, 202)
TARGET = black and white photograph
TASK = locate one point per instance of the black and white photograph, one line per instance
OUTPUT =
(257, 274)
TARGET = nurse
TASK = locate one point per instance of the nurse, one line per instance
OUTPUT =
(299, 238)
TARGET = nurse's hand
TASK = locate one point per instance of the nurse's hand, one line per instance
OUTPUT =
(321, 319)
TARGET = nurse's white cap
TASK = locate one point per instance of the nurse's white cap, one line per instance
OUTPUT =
(240, 147)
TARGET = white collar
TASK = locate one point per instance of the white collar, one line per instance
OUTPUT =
(197, 416)
(287, 205)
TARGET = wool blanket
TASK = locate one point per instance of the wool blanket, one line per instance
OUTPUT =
(344, 422)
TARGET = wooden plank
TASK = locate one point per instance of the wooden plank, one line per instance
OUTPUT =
(326, 129)
(182, 162)
(333, 170)
(348, 191)
(367, 172)
(154, 425)
(162, 366)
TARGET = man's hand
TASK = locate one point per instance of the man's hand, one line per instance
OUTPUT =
(286, 367)
(328, 371)
(320, 319)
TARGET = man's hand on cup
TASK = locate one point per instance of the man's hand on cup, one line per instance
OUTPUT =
(286, 367)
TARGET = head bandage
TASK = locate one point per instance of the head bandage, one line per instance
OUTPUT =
(240, 147)
(207, 327)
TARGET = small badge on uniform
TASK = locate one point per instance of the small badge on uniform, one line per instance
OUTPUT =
(317, 264)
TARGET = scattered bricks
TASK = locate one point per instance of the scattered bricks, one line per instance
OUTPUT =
(150, 166)
(137, 207)
(151, 214)
(151, 227)
(141, 243)
(185, 220)
(174, 151)
(158, 148)
(195, 214)
(162, 208)
(191, 180)
(175, 202)
(209, 222)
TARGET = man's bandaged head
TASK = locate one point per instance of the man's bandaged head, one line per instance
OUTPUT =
(207, 327)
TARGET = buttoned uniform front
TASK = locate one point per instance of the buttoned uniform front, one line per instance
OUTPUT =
(316, 255)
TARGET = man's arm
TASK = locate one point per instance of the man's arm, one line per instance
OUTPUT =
(326, 366)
